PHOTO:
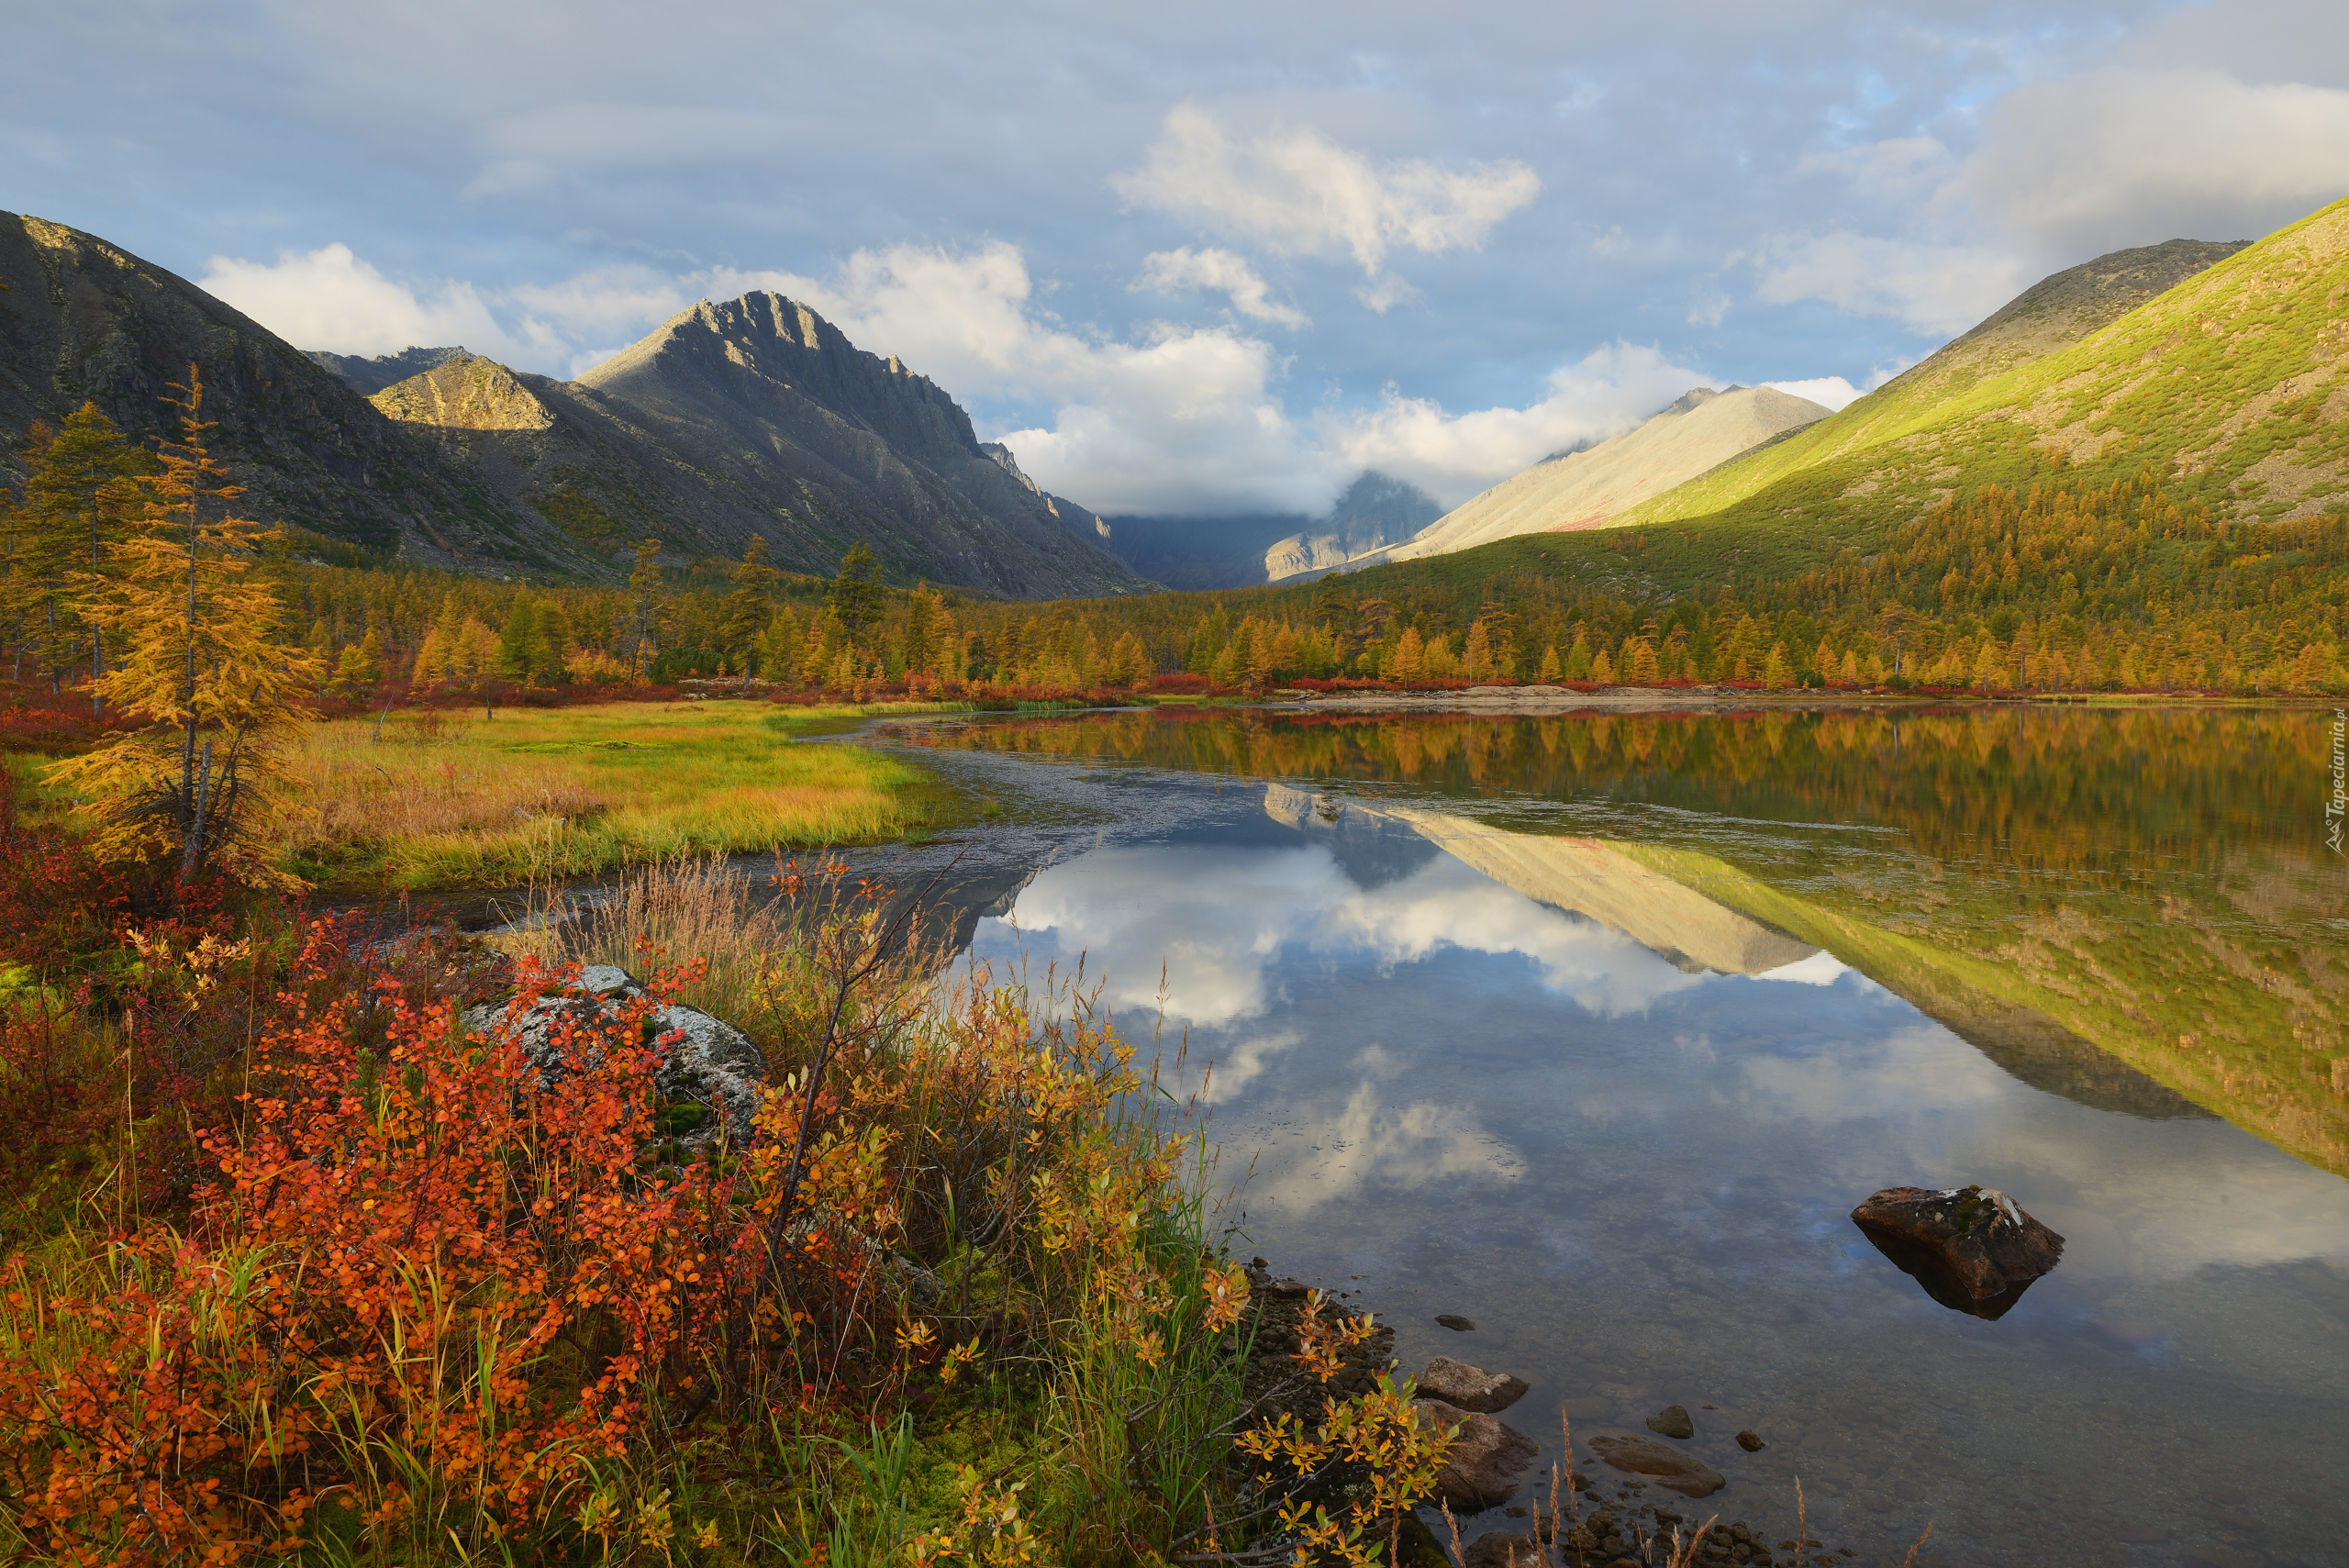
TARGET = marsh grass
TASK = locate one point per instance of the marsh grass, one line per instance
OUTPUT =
(427, 801)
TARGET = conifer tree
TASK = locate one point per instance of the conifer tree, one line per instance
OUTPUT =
(220, 701)
(80, 499)
(742, 618)
(857, 595)
(519, 650)
(644, 607)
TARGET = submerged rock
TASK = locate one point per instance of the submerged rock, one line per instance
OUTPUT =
(1470, 1387)
(1486, 1459)
(1506, 1552)
(1673, 1423)
(707, 1072)
(1454, 1321)
(1684, 1472)
(1972, 1248)
(1751, 1442)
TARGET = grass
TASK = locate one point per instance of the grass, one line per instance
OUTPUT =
(442, 803)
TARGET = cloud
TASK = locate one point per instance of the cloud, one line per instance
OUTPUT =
(1453, 456)
(1938, 289)
(2129, 156)
(1828, 391)
(1171, 272)
(1298, 192)
(329, 299)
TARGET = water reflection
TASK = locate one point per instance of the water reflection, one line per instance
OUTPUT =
(1556, 1082)
(2130, 908)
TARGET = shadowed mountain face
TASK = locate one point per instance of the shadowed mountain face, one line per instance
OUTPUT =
(758, 416)
(86, 321)
(368, 377)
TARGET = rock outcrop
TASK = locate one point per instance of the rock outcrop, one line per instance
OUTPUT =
(1972, 1248)
(708, 1073)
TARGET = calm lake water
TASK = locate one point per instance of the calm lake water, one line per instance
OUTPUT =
(1594, 1029)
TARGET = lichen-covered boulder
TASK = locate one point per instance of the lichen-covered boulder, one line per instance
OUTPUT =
(1972, 1248)
(708, 1073)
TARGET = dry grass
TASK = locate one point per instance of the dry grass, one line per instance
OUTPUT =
(440, 802)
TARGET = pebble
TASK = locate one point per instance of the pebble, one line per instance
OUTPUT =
(1751, 1443)
(1456, 1323)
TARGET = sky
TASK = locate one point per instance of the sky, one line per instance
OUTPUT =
(1191, 259)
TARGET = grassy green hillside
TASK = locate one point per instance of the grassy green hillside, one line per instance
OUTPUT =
(2230, 385)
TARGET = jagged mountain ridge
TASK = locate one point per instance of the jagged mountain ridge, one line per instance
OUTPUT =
(755, 415)
(1375, 510)
(368, 377)
(83, 319)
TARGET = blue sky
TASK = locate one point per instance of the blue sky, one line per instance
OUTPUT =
(1200, 259)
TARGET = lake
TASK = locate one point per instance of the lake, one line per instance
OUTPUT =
(1593, 1030)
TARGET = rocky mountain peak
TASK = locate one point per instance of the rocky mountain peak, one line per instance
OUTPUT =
(466, 392)
(368, 377)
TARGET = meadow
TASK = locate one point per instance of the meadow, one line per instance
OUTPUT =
(434, 799)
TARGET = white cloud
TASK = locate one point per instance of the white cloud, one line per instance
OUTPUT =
(329, 299)
(2131, 156)
(1172, 272)
(1934, 288)
(1454, 455)
(1299, 193)
(1828, 391)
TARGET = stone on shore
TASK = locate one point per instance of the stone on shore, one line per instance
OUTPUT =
(1470, 1387)
(1486, 1459)
(1972, 1248)
(1682, 1472)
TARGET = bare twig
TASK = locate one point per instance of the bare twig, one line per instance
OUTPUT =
(1911, 1560)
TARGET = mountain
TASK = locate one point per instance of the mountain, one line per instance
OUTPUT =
(2097, 320)
(1375, 511)
(1590, 488)
(1238, 551)
(82, 320)
(367, 377)
(758, 416)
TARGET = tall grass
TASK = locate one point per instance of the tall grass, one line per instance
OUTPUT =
(421, 801)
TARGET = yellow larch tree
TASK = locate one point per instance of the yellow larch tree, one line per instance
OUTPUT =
(220, 699)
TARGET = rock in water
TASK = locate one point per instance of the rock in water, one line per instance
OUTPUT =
(1682, 1472)
(1673, 1423)
(1456, 1323)
(1506, 1552)
(1972, 1248)
(1485, 1457)
(708, 1070)
(1470, 1387)
(1751, 1442)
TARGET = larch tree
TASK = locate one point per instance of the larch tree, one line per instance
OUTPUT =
(742, 618)
(644, 606)
(221, 702)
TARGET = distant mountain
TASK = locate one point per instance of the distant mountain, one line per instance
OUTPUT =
(1589, 488)
(368, 377)
(85, 320)
(1236, 551)
(2075, 307)
(1376, 511)
(758, 416)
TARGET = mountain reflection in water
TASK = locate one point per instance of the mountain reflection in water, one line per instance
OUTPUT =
(1608, 1076)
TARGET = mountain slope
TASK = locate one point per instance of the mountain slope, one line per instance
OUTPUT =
(368, 377)
(1243, 551)
(84, 320)
(2098, 321)
(1588, 489)
(776, 423)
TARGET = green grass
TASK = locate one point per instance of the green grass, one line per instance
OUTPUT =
(441, 802)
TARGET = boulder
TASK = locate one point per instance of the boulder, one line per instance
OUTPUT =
(1469, 1387)
(1673, 1423)
(1486, 1459)
(1667, 1466)
(1972, 1248)
(1456, 1323)
(707, 1071)
(1506, 1552)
